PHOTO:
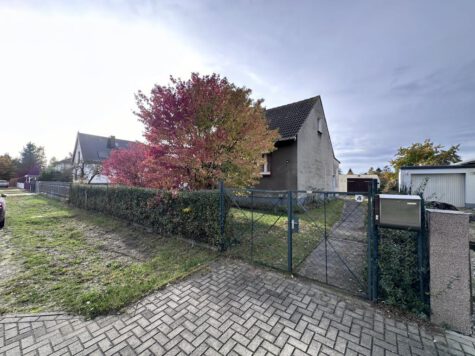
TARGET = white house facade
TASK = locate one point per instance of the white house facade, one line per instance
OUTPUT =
(90, 151)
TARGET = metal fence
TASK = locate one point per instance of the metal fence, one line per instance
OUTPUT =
(331, 244)
(257, 226)
(325, 236)
(59, 190)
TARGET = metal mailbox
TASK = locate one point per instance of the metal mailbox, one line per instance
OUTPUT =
(398, 211)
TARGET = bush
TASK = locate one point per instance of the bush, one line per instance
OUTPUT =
(192, 215)
(399, 277)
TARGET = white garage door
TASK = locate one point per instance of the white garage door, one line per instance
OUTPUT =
(447, 188)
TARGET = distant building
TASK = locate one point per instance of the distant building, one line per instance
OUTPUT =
(453, 184)
(89, 153)
(356, 183)
(63, 165)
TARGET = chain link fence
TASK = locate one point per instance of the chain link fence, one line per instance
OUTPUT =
(58, 190)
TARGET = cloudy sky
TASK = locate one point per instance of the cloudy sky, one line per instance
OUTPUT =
(390, 73)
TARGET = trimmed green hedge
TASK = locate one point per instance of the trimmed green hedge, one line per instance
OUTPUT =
(399, 277)
(192, 215)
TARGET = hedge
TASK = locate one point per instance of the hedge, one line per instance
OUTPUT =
(192, 215)
(399, 277)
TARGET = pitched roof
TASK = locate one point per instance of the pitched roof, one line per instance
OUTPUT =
(290, 118)
(97, 148)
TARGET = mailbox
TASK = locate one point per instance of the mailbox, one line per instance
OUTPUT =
(398, 211)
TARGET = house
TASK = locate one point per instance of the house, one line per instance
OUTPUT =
(453, 184)
(29, 179)
(354, 183)
(89, 153)
(304, 157)
(63, 165)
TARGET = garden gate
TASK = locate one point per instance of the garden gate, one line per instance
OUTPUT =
(325, 236)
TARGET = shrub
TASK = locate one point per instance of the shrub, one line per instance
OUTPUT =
(192, 215)
(399, 277)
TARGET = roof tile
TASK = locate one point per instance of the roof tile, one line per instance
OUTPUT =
(290, 118)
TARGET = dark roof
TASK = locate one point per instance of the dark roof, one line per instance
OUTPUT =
(97, 148)
(34, 171)
(290, 118)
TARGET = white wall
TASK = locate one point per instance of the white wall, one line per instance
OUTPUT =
(470, 188)
(405, 179)
(316, 165)
(88, 169)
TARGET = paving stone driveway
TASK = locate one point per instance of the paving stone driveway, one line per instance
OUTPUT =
(234, 309)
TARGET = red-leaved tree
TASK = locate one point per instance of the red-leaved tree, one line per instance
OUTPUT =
(201, 131)
(126, 166)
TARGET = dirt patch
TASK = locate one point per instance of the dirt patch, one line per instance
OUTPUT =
(9, 264)
(131, 243)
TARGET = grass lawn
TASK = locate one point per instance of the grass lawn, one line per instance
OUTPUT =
(265, 241)
(56, 258)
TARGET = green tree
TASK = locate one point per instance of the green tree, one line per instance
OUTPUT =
(31, 156)
(7, 167)
(425, 154)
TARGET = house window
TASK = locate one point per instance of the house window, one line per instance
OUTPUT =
(265, 167)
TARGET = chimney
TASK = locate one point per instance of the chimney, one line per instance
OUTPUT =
(111, 142)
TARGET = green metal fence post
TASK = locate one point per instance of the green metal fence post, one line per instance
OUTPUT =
(221, 212)
(289, 231)
(421, 256)
(325, 234)
(370, 242)
(252, 226)
(375, 249)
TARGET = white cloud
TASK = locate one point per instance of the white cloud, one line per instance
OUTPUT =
(61, 73)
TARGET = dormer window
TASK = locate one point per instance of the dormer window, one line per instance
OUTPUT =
(265, 167)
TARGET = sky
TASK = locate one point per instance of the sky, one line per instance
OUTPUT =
(390, 73)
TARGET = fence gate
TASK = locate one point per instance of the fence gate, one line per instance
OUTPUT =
(324, 236)
(331, 244)
(257, 226)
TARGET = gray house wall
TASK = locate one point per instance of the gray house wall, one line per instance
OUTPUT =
(317, 167)
(283, 168)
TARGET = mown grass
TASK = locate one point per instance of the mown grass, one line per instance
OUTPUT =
(261, 236)
(60, 268)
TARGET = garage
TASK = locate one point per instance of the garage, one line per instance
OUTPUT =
(447, 188)
(358, 185)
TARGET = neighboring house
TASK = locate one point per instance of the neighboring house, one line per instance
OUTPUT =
(29, 179)
(63, 165)
(304, 158)
(454, 184)
(356, 182)
(89, 153)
